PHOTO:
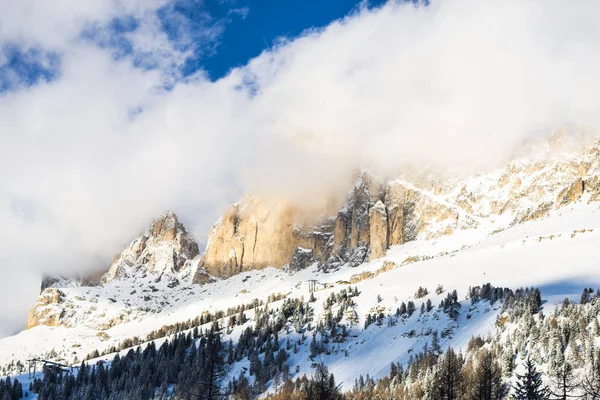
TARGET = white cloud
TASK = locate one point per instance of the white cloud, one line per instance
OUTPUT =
(461, 82)
(450, 83)
(55, 24)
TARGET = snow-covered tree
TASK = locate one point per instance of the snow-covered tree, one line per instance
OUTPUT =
(530, 385)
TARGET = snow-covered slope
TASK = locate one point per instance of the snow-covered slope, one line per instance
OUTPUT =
(535, 222)
(556, 253)
(159, 260)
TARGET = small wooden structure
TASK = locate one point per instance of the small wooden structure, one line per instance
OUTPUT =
(48, 367)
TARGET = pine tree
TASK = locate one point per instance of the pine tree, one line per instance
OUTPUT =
(435, 343)
(563, 379)
(487, 381)
(242, 390)
(213, 369)
(590, 383)
(530, 385)
(410, 309)
(448, 379)
(585, 296)
(508, 362)
(402, 310)
(314, 347)
(322, 385)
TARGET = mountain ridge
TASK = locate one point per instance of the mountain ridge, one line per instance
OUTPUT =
(376, 216)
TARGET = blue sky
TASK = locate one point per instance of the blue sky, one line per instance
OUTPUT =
(216, 35)
(245, 36)
(29, 66)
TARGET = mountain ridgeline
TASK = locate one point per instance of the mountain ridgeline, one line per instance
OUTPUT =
(376, 215)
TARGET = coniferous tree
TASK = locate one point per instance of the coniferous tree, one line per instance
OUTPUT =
(508, 362)
(322, 385)
(530, 386)
(448, 383)
(402, 310)
(487, 383)
(214, 368)
(590, 383)
(563, 379)
(241, 389)
(410, 308)
(435, 343)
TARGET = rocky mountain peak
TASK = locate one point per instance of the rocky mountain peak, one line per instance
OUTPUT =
(417, 204)
(166, 227)
(166, 249)
(376, 215)
(254, 235)
(163, 256)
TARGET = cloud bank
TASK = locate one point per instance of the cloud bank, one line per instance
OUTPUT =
(89, 158)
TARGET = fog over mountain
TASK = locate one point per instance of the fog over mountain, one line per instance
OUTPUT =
(89, 157)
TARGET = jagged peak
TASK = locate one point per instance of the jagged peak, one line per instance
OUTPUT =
(365, 184)
(166, 227)
(165, 248)
(365, 178)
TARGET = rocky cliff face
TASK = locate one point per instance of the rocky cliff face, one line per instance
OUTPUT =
(252, 235)
(47, 310)
(379, 239)
(415, 205)
(377, 214)
(361, 225)
(166, 252)
(255, 235)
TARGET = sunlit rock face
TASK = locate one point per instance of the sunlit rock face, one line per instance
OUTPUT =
(415, 204)
(255, 235)
(375, 214)
(165, 251)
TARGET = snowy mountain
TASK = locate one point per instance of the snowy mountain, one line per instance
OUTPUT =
(414, 205)
(534, 222)
(162, 257)
(165, 252)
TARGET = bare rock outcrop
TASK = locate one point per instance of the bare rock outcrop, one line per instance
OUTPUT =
(571, 193)
(395, 218)
(43, 312)
(301, 259)
(379, 230)
(352, 231)
(255, 235)
(165, 250)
